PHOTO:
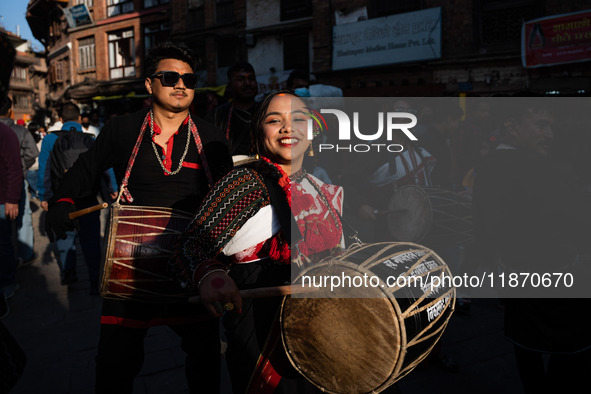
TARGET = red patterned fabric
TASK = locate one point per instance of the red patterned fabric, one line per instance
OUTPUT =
(317, 218)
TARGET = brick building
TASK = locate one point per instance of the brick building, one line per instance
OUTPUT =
(27, 89)
(96, 59)
(479, 46)
(216, 32)
(480, 53)
(475, 45)
(480, 49)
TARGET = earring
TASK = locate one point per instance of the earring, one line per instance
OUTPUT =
(311, 151)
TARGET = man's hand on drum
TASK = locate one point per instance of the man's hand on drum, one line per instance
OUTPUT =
(220, 294)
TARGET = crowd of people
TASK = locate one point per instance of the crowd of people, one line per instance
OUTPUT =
(247, 171)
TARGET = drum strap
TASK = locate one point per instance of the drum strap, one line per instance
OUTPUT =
(349, 231)
(288, 223)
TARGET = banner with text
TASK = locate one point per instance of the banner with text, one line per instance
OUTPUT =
(412, 36)
(556, 40)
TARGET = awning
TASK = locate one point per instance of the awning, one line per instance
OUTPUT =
(219, 90)
(120, 96)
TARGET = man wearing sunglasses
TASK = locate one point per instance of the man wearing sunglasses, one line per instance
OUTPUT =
(175, 161)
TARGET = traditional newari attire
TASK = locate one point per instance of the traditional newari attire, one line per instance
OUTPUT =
(124, 324)
(244, 223)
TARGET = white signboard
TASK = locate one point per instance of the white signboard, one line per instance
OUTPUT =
(412, 36)
(77, 15)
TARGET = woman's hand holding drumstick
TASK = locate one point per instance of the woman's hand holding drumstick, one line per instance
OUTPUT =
(219, 293)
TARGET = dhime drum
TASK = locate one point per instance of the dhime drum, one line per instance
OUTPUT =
(139, 245)
(431, 216)
(350, 339)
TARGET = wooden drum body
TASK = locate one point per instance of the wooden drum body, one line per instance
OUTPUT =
(139, 245)
(431, 216)
(365, 344)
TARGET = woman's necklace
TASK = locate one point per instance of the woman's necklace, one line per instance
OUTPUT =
(331, 208)
(298, 176)
(156, 150)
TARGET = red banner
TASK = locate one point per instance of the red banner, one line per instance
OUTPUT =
(556, 40)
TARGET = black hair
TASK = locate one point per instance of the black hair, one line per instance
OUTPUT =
(5, 106)
(33, 126)
(34, 130)
(7, 57)
(70, 112)
(170, 50)
(239, 66)
(297, 74)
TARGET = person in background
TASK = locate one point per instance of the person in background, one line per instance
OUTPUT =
(11, 178)
(55, 125)
(33, 173)
(533, 216)
(87, 127)
(299, 82)
(11, 184)
(29, 153)
(234, 117)
(88, 231)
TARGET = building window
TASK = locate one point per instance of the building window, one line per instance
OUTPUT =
(116, 7)
(296, 51)
(196, 16)
(154, 33)
(86, 58)
(153, 3)
(89, 3)
(21, 101)
(121, 54)
(224, 11)
(499, 21)
(295, 9)
(58, 72)
(19, 74)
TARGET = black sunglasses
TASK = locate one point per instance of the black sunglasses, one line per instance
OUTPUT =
(171, 78)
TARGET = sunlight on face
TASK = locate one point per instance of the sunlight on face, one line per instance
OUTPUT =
(285, 131)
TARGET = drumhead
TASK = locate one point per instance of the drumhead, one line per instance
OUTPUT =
(346, 336)
(363, 338)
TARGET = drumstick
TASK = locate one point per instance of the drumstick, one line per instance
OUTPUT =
(263, 292)
(85, 211)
